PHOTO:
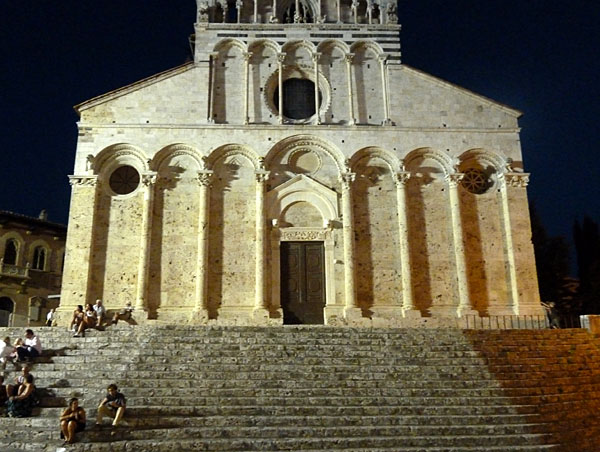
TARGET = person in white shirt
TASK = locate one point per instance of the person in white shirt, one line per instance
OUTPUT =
(100, 311)
(50, 317)
(7, 352)
(32, 347)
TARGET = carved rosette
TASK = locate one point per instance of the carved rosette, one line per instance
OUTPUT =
(515, 180)
(86, 180)
(454, 179)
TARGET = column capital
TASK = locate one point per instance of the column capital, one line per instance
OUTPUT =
(281, 57)
(315, 56)
(346, 179)
(149, 178)
(454, 179)
(261, 176)
(247, 56)
(382, 58)
(401, 178)
(515, 180)
(348, 57)
(204, 178)
(83, 180)
(214, 55)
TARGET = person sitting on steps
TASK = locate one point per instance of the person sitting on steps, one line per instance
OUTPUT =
(7, 352)
(100, 312)
(72, 420)
(32, 348)
(77, 318)
(123, 314)
(21, 404)
(113, 405)
(89, 320)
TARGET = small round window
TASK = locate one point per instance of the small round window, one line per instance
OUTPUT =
(124, 180)
(476, 181)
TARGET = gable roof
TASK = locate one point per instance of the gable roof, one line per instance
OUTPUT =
(443, 83)
(133, 87)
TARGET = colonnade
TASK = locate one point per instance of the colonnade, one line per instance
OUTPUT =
(315, 56)
(506, 180)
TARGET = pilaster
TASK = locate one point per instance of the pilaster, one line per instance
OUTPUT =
(148, 181)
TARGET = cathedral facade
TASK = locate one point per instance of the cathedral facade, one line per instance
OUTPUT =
(297, 172)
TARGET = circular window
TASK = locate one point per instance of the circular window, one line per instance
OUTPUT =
(124, 180)
(476, 181)
(298, 98)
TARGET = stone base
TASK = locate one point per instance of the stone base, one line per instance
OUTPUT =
(462, 312)
(411, 314)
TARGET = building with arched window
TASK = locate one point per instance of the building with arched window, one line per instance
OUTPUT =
(296, 171)
(31, 262)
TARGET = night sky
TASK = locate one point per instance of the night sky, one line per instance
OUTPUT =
(538, 56)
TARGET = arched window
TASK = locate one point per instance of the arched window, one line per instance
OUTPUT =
(39, 258)
(10, 252)
(6, 309)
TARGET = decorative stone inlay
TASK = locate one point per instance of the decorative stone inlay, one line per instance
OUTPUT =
(300, 235)
(89, 181)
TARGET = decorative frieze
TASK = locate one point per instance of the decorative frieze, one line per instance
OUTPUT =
(83, 180)
(302, 235)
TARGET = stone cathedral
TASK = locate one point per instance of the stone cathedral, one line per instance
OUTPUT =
(297, 172)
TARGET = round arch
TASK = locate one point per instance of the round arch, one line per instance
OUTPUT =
(233, 149)
(118, 154)
(333, 44)
(483, 155)
(226, 43)
(264, 44)
(371, 45)
(446, 162)
(373, 151)
(174, 150)
(296, 141)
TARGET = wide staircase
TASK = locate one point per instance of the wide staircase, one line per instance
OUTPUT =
(318, 389)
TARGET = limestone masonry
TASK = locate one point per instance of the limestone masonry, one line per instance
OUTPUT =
(297, 172)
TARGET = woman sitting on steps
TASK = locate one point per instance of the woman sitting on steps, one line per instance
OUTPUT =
(89, 320)
(72, 420)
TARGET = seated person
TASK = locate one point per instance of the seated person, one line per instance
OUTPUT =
(100, 311)
(32, 347)
(112, 405)
(72, 420)
(21, 405)
(3, 396)
(12, 390)
(77, 318)
(123, 314)
(7, 352)
(51, 317)
(89, 320)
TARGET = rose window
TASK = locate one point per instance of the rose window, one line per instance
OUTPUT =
(476, 181)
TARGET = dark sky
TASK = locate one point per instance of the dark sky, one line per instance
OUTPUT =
(538, 56)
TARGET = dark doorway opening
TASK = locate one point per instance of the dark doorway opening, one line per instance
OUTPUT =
(302, 283)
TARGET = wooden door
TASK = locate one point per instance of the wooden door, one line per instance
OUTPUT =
(302, 282)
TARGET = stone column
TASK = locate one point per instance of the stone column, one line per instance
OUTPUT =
(274, 14)
(148, 181)
(464, 304)
(351, 310)
(200, 312)
(297, 13)
(77, 273)
(339, 11)
(349, 57)
(239, 4)
(408, 306)
(247, 56)
(509, 249)
(280, 60)
(260, 305)
(255, 11)
(384, 91)
(211, 91)
(315, 58)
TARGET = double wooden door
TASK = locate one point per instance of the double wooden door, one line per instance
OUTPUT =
(302, 282)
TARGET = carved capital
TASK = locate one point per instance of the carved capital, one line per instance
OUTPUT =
(349, 57)
(247, 56)
(84, 180)
(149, 179)
(204, 178)
(515, 180)
(315, 57)
(400, 179)
(281, 57)
(346, 179)
(262, 176)
(382, 58)
(454, 179)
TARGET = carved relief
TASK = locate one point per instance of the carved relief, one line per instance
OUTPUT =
(89, 181)
(300, 235)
